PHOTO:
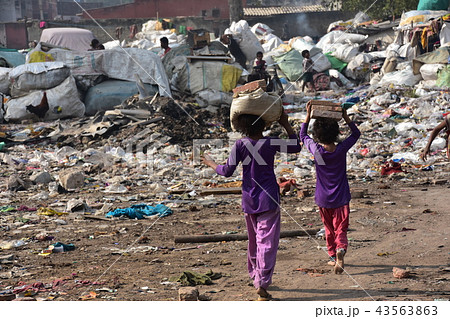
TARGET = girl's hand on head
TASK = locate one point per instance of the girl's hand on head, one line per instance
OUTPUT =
(308, 108)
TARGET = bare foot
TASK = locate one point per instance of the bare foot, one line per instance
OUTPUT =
(339, 267)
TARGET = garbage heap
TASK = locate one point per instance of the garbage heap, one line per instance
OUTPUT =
(396, 90)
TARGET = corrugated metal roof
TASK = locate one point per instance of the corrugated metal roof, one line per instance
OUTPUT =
(268, 11)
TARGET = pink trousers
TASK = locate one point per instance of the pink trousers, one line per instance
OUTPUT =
(263, 237)
(335, 221)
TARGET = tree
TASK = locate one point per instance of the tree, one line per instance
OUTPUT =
(376, 9)
(236, 11)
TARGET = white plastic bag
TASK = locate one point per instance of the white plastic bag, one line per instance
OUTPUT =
(261, 29)
(213, 97)
(37, 76)
(272, 42)
(300, 44)
(404, 77)
(347, 83)
(430, 71)
(407, 51)
(321, 62)
(444, 35)
(4, 80)
(248, 42)
(111, 44)
(344, 52)
(63, 102)
(340, 37)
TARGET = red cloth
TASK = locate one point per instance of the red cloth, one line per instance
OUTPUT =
(286, 185)
(391, 167)
(133, 31)
(321, 81)
(335, 221)
(37, 286)
(261, 63)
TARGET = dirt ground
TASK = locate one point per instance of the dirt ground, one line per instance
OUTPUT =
(398, 223)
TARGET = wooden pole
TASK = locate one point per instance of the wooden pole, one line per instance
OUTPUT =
(234, 237)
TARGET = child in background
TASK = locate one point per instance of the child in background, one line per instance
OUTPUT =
(260, 193)
(259, 69)
(332, 189)
(260, 64)
(308, 69)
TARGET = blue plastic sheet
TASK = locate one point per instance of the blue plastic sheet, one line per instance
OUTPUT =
(140, 210)
(13, 58)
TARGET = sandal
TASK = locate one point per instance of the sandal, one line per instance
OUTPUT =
(263, 294)
(332, 261)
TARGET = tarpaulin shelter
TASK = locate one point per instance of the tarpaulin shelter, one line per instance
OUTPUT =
(71, 38)
(440, 55)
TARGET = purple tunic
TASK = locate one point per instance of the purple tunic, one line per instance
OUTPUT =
(332, 189)
(260, 190)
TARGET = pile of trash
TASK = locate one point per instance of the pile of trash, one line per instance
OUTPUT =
(396, 91)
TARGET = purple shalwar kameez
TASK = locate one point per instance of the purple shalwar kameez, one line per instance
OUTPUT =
(260, 200)
(332, 189)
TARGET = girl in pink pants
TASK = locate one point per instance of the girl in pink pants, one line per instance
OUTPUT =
(260, 193)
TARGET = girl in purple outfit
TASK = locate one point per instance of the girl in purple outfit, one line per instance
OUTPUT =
(332, 189)
(260, 193)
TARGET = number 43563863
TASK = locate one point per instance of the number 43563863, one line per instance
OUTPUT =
(407, 310)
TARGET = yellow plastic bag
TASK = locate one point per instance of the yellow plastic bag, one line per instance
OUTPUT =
(39, 56)
(49, 212)
(230, 77)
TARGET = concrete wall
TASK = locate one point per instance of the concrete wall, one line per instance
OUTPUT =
(13, 35)
(162, 9)
(8, 11)
(312, 24)
(16, 35)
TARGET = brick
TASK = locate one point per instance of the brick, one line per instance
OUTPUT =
(41, 178)
(358, 193)
(324, 102)
(328, 114)
(250, 87)
(188, 294)
(71, 179)
(330, 108)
